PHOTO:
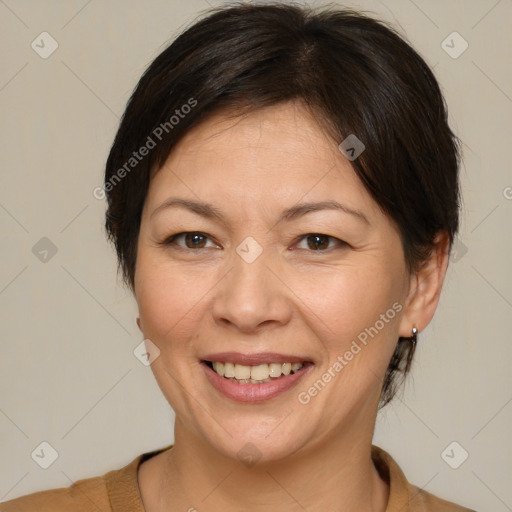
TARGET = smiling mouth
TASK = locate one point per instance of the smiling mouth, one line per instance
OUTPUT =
(257, 374)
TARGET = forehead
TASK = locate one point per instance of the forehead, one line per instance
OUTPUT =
(283, 128)
(274, 154)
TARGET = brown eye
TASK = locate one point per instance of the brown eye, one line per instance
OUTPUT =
(196, 240)
(193, 240)
(318, 242)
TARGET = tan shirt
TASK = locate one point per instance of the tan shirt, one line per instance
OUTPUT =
(118, 491)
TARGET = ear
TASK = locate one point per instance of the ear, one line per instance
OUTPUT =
(425, 287)
(138, 324)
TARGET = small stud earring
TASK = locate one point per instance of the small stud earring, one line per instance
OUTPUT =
(414, 336)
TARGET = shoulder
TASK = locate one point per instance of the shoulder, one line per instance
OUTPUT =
(115, 491)
(87, 495)
(422, 500)
(403, 496)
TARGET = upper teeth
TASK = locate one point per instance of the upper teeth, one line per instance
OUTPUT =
(261, 372)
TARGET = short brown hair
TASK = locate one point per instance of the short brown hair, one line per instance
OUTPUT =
(354, 73)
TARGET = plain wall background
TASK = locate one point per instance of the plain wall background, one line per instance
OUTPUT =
(68, 375)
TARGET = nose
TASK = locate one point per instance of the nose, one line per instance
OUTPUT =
(251, 297)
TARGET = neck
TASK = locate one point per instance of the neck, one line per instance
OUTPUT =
(334, 474)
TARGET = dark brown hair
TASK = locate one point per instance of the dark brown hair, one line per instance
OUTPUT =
(354, 73)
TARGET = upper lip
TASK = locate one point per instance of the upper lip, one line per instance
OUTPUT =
(253, 359)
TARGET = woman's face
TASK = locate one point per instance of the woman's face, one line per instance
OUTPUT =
(251, 283)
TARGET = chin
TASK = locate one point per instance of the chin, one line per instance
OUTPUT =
(253, 440)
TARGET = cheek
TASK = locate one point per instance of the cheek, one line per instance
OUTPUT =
(361, 308)
(171, 299)
(167, 297)
(349, 299)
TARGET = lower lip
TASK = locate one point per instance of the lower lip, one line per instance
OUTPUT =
(253, 392)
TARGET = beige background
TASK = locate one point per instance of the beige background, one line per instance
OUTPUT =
(68, 375)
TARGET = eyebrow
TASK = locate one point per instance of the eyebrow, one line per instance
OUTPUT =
(210, 212)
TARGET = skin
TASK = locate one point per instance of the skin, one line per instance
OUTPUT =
(292, 299)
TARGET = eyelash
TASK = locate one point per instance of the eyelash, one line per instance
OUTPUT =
(170, 241)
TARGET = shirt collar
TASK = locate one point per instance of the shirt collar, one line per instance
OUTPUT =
(124, 493)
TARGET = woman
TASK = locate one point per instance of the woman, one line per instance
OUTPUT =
(282, 196)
